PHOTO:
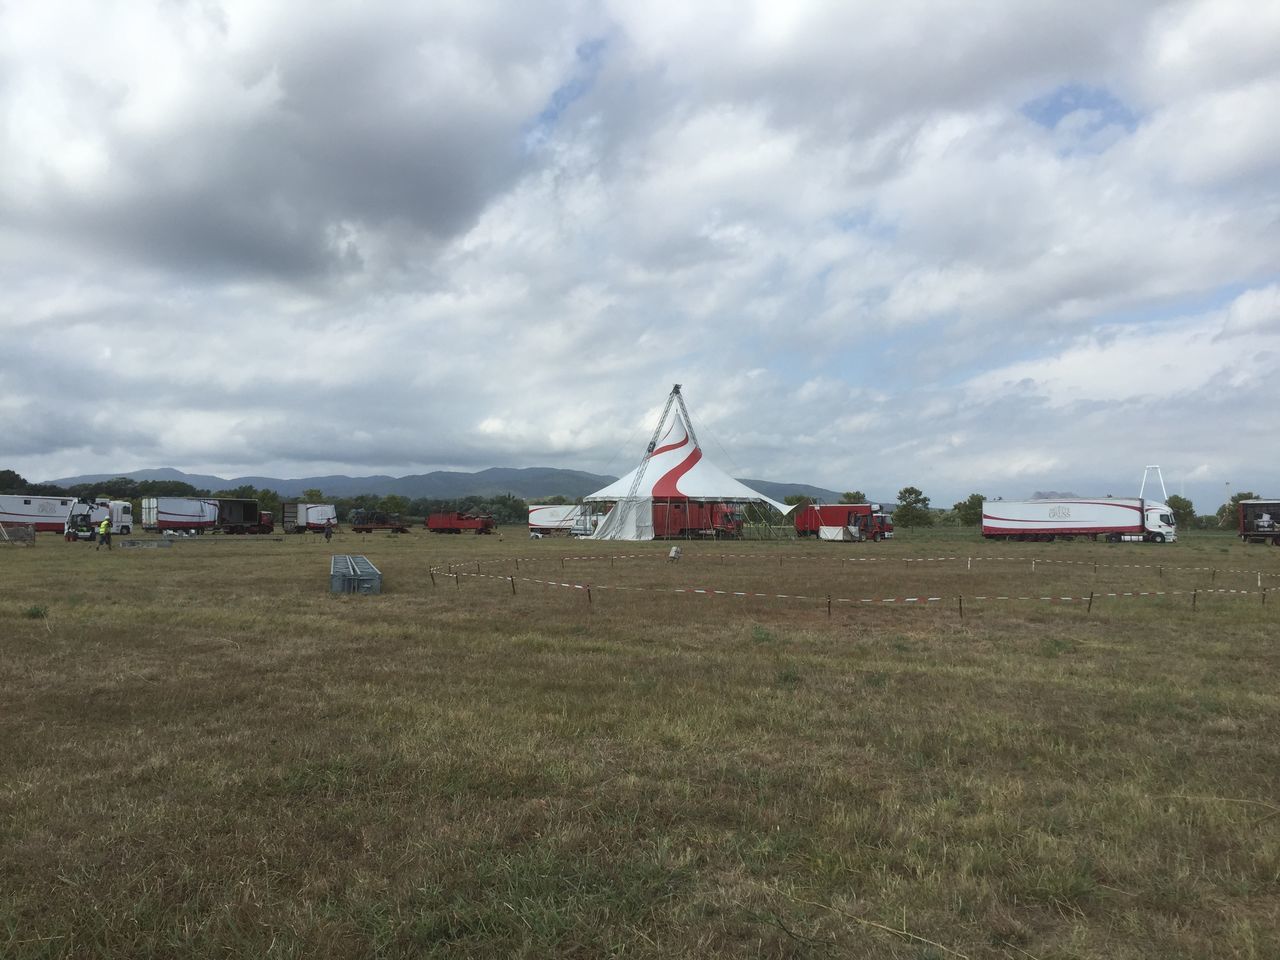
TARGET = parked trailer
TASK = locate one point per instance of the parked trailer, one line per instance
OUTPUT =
(179, 514)
(301, 517)
(243, 516)
(1260, 521)
(457, 522)
(1114, 519)
(551, 519)
(41, 513)
(691, 519)
(843, 521)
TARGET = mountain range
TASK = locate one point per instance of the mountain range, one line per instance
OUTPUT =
(527, 483)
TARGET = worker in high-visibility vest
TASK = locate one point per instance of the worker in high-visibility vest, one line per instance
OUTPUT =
(104, 534)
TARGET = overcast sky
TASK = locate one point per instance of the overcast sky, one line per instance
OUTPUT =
(997, 247)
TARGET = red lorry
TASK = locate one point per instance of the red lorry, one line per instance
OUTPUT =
(694, 518)
(862, 521)
(456, 522)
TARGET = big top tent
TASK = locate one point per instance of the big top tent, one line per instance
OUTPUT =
(674, 470)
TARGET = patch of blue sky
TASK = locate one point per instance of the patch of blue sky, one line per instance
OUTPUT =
(1101, 107)
(588, 62)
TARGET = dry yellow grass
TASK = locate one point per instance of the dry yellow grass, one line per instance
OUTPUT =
(207, 754)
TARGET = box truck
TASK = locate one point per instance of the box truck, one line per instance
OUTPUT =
(843, 521)
(695, 518)
(301, 517)
(1260, 521)
(1114, 519)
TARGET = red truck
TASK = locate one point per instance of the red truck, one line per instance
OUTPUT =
(857, 521)
(694, 518)
(457, 522)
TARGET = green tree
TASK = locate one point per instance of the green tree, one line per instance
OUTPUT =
(913, 509)
(312, 495)
(12, 482)
(394, 503)
(797, 500)
(853, 496)
(1184, 512)
(1229, 513)
(969, 510)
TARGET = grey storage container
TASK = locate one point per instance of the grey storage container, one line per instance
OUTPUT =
(354, 574)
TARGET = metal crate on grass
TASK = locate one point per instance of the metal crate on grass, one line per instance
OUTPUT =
(354, 574)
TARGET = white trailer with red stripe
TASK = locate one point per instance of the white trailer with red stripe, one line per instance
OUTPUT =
(180, 514)
(42, 513)
(1114, 519)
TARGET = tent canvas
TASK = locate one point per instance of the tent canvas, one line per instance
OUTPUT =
(676, 469)
(835, 533)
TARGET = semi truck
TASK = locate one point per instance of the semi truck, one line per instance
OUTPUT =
(843, 521)
(552, 519)
(1113, 519)
(301, 517)
(689, 519)
(86, 515)
(456, 522)
(1260, 521)
(197, 515)
(42, 513)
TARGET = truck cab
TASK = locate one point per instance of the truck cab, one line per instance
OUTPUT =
(82, 522)
(1159, 523)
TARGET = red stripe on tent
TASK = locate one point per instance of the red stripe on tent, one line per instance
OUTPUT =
(667, 486)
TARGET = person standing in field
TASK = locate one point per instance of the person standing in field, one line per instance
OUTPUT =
(328, 530)
(104, 534)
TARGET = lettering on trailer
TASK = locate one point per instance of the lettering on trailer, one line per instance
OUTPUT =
(1060, 513)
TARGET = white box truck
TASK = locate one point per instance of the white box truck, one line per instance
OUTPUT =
(301, 517)
(1114, 519)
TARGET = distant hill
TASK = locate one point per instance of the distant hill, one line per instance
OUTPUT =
(528, 483)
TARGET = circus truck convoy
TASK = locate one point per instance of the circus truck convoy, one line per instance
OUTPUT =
(197, 515)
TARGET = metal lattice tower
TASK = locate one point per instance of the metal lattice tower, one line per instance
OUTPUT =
(672, 397)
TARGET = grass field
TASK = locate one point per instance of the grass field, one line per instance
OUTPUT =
(206, 754)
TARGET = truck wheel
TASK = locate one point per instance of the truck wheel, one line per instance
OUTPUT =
(1275, 541)
(1157, 538)
(125, 531)
(1113, 538)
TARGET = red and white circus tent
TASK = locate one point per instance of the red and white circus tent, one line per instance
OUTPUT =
(674, 470)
